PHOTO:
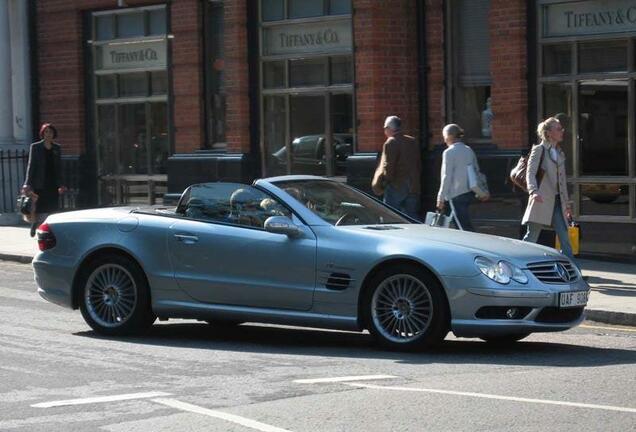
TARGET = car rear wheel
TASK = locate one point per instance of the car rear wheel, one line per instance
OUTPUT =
(115, 298)
(505, 339)
(406, 309)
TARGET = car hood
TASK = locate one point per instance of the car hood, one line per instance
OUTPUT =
(516, 251)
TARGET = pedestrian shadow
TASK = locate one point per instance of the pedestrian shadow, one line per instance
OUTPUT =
(603, 282)
(617, 291)
(281, 340)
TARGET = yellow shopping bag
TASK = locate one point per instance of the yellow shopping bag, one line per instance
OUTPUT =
(574, 233)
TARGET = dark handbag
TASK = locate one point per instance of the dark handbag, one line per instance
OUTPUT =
(25, 204)
(518, 173)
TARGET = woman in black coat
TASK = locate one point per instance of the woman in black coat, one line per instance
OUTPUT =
(44, 175)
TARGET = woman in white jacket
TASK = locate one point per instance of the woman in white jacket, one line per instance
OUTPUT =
(454, 186)
(548, 203)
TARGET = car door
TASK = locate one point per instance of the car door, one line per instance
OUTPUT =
(236, 262)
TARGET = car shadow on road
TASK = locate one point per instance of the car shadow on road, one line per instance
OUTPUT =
(266, 339)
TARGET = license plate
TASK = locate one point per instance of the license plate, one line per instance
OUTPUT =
(573, 299)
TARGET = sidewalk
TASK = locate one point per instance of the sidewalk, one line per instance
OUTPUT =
(612, 300)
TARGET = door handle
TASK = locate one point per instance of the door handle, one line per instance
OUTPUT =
(186, 239)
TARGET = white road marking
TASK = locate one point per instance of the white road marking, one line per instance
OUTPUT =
(253, 424)
(499, 397)
(344, 379)
(100, 399)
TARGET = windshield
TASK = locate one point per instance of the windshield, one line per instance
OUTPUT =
(339, 204)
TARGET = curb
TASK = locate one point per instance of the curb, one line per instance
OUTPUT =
(610, 317)
(24, 259)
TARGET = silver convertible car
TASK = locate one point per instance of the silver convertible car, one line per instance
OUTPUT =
(305, 251)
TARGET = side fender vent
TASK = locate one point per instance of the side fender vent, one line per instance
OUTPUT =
(338, 281)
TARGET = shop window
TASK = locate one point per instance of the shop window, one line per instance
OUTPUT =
(470, 48)
(275, 117)
(132, 138)
(341, 70)
(273, 10)
(603, 56)
(130, 25)
(339, 7)
(105, 27)
(274, 74)
(557, 59)
(215, 97)
(305, 8)
(307, 72)
(157, 22)
(307, 119)
(133, 84)
(307, 93)
(604, 199)
(603, 127)
(131, 105)
(158, 83)
(107, 140)
(107, 86)
(159, 138)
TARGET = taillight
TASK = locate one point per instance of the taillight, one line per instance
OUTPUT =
(46, 238)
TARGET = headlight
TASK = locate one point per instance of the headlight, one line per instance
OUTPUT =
(501, 272)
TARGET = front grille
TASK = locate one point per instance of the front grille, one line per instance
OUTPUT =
(554, 272)
(557, 315)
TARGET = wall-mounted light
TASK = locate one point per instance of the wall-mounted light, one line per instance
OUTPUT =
(121, 3)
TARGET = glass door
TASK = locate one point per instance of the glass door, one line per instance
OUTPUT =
(133, 148)
(307, 127)
(603, 143)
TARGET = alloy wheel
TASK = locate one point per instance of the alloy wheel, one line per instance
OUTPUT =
(110, 295)
(402, 308)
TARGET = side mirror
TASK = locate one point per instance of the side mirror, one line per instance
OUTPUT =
(282, 225)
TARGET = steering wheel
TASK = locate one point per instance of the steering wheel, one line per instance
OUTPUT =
(345, 217)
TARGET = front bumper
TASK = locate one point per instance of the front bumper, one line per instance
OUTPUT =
(538, 301)
(54, 278)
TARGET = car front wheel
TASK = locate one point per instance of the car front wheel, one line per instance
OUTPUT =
(115, 297)
(406, 309)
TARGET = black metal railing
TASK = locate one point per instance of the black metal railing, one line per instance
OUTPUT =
(12, 172)
(13, 164)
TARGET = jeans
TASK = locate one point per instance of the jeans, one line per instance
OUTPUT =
(560, 227)
(459, 206)
(402, 200)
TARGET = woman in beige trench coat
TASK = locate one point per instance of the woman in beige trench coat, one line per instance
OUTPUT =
(548, 204)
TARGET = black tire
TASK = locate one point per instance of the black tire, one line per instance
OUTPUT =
(405, 308)
(114, 296)
(504, 339)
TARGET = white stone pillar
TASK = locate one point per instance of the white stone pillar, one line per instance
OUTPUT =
(6, 99)
(21, 76)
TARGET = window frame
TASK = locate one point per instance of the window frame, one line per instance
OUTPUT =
(327, 90)
(452, 73)
(574, 79)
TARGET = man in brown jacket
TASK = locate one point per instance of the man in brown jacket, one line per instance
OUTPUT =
(401, 168)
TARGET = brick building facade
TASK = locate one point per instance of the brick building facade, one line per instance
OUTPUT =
(406, 59)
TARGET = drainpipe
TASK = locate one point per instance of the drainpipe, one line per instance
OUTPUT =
(422, 72)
